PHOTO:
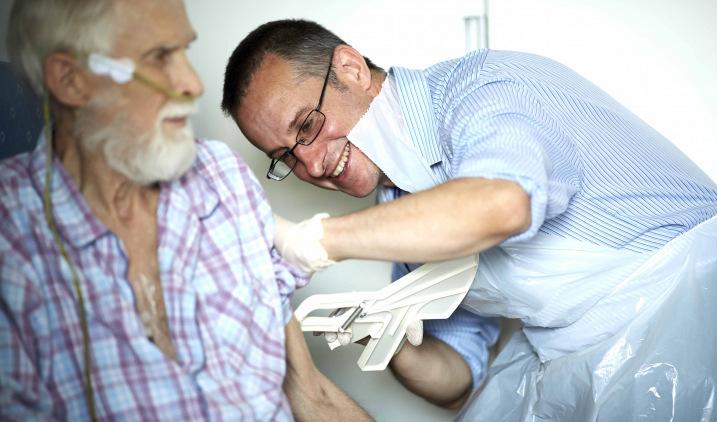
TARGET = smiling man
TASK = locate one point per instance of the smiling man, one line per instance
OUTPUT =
(153, 290)
(498, 151)
(266, 103)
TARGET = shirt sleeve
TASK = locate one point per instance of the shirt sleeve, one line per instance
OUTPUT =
(499, 131)
(288, 277)
(233, 177)
(468, 333)
(23, 396)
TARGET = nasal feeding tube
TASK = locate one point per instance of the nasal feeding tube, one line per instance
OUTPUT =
(121, 71)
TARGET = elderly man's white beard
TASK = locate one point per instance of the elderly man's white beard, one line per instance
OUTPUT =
(149, 157)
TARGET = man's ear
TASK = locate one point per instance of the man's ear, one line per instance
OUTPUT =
(351, 67)
(67, 80)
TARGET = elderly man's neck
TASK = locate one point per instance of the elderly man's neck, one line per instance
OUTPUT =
(109, 193)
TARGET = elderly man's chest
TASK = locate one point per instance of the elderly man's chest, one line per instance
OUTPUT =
(196, 275)
(216, 304)
(138, 240)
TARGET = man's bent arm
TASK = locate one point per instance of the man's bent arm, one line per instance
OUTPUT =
(456, 219)
(311, 395)
(434, 371)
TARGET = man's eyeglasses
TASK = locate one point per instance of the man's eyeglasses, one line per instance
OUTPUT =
(282, 167)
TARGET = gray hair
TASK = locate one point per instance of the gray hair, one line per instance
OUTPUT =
(40, 28)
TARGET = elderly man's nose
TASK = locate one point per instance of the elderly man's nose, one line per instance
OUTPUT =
(195, 86)
(187, 80)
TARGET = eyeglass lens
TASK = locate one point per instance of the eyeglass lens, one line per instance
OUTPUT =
(311, 127)
(307, 134)
(282, 167)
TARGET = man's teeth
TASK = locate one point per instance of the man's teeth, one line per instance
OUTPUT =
(342, 164)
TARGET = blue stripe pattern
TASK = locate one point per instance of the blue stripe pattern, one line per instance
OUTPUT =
(594, 171)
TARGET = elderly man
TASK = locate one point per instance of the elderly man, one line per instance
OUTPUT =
(152, 291)
(495, 148)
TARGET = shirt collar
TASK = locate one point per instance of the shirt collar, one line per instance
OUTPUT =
(201, 195)
(73, 216)
(415, 99)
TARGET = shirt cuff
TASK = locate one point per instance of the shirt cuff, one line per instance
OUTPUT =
(538, 205)
(538, 201)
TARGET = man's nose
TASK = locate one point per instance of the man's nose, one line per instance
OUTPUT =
(186, 80)
(311, 158)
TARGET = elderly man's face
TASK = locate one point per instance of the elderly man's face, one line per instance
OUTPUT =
(276, 104)
(144, 133)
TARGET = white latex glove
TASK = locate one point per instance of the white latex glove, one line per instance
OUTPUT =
(414, 332)
(300, 243)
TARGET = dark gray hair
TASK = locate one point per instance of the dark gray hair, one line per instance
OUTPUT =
(307, 45)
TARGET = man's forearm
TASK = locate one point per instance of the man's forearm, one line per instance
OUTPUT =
(311, 395)
(456, 219)
(434, 371)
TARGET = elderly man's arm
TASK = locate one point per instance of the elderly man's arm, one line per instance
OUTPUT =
(21, 387)
(311, 395)
(23, 395)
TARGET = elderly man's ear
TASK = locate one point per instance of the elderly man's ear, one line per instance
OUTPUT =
(68, 81)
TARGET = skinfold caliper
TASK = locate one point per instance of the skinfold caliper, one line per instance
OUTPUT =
(432, 291)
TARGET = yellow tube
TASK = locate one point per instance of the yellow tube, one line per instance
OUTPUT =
(66, 256)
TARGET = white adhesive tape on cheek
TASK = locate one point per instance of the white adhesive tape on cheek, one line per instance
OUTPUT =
(121, 70)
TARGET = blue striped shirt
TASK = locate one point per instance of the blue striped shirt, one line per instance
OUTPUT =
(594, 171)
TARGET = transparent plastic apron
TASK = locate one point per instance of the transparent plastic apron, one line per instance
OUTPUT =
(610, 336)
(561, 289)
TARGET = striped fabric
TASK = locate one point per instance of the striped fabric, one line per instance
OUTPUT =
(594, 171)
(226, 290)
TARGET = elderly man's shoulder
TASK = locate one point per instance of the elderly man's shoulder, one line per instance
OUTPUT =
(21, 217)
(15, 168)
(224, 168)
(18, 190)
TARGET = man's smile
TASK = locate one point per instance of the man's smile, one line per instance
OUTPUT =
(343, 162)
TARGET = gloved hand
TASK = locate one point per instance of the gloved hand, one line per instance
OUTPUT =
(300, 243)
(414, 332)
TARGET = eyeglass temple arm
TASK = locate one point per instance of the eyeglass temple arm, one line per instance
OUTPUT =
(326, 82)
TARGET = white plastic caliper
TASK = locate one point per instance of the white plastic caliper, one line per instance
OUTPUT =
(432, 291)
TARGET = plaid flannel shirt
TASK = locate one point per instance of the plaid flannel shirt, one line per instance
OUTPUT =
(226, 291)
